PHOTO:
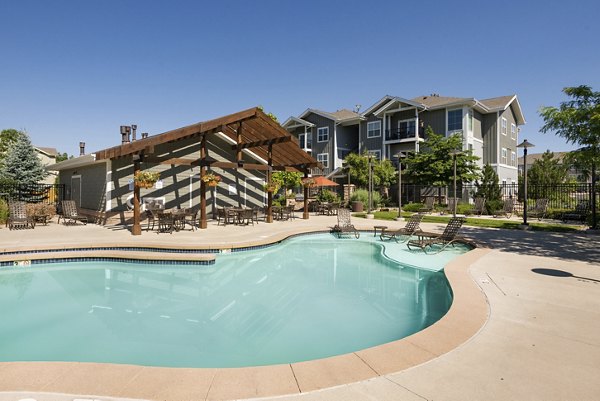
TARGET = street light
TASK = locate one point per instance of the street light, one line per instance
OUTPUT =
(400, 156)
(455, 153)
(370, 187)
(525, 144)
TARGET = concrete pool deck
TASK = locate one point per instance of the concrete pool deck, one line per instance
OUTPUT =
(512, 333)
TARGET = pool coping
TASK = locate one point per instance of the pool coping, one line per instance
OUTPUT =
(467, 315)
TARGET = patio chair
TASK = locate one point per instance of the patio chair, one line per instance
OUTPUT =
(245, 216)
(540, 208)
(410, 229)
(287, 213)
(427, 205)
(579, 214)
(508, 208)
(71, 214)
(448, 237)
(152, 215)
(18, 217)
(344, 225)
(226, 216)
(478, 206)
(190, 216)
(166, 222)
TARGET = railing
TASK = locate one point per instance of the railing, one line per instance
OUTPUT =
(320, 171)
(399, 133)
(33, 193)
(560, 196)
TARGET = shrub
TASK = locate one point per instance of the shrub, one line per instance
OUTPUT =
(412, 207)
(3, 211)
(41, 209)
(362, 195)
(327, 196)
(493, 205)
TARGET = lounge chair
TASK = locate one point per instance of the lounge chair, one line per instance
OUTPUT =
(540, 208)
(448, 237)
(70, 214)
(410, 229)
(508, 208)
(344, 225)
(427, 205)
(18, 217)
(579, 214)
(478, 206)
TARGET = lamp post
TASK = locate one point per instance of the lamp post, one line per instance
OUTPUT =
(400, 156)
(369, 206)
(525, 144)
(455, 153)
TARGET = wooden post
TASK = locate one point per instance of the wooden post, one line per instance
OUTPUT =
(305, 212)
(203, 222)
(137, 227)
(269, 193)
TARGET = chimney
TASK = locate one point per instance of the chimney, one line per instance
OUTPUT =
(134, 128)
(124, 135)
(81, 148)
(144, 135)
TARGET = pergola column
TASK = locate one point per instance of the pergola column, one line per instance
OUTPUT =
(269, 193)
(137, 227)
(203, 222)
(305, 210)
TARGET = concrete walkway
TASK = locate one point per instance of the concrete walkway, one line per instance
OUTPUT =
(541, 340)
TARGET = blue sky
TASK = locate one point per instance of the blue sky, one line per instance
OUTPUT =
(75, 71)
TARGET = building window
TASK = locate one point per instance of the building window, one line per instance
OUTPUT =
(504, 155)
(323, 158)
(407, 128)
(322, 134)
(373, 129)
(513, 159)
(513, 131)
(455, 120)
(504, 125)
(376, 154)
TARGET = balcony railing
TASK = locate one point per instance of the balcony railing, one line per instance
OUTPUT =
(399, 133)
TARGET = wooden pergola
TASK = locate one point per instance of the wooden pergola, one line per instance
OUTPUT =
(248, 129)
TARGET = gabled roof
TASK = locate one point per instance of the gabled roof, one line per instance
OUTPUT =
(339, 116)
(435, 101)
(397, 101)
(378, 104)
(293, 122)
(502, 103)
(52, 152)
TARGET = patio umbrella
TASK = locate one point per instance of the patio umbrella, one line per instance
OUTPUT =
(321, 181)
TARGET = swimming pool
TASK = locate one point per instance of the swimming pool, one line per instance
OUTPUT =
(309, 297)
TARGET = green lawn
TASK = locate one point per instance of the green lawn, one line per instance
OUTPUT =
(475, 222)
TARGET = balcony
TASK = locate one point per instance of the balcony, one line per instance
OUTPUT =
(304, 144)
(397, 134)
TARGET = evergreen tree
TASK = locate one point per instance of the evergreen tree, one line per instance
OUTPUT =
(7, 138)
(544, 175)
(489, 188)
(21, 163)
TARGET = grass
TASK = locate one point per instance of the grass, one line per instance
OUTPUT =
(475, 222)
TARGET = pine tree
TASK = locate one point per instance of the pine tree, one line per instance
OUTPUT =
(21, 163)
(489, 188)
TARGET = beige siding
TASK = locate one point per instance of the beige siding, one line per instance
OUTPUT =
(477, 124)
(93, 185)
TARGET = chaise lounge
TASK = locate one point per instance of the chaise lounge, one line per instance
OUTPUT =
(411, 228)
(448, 237)
(344, 225)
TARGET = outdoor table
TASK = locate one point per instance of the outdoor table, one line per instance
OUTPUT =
(380, 228)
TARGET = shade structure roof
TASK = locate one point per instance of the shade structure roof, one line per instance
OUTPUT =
(249, 129)
(321, 181)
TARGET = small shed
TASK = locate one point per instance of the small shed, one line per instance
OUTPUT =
(243, 148)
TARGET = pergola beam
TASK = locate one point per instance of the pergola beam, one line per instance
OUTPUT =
(264, 142)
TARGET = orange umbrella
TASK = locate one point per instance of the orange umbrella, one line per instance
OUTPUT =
(321, 181)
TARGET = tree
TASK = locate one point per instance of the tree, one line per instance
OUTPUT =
(434, 165)
(384, 174)
(287, 179)
(546, 171)
(61, 157)
(578, 121)
(22, 164)
(489, 188)
(7, 138)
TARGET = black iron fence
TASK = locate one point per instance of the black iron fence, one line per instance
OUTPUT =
(560, 196)
(33, 193)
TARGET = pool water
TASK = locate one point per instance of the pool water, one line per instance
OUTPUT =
(309, 297)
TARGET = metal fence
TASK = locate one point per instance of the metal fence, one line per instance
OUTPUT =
(560, 196)
(33, 193)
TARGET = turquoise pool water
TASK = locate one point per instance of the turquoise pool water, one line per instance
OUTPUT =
(309, 297)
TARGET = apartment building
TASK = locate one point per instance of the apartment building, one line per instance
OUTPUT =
(489, 128)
